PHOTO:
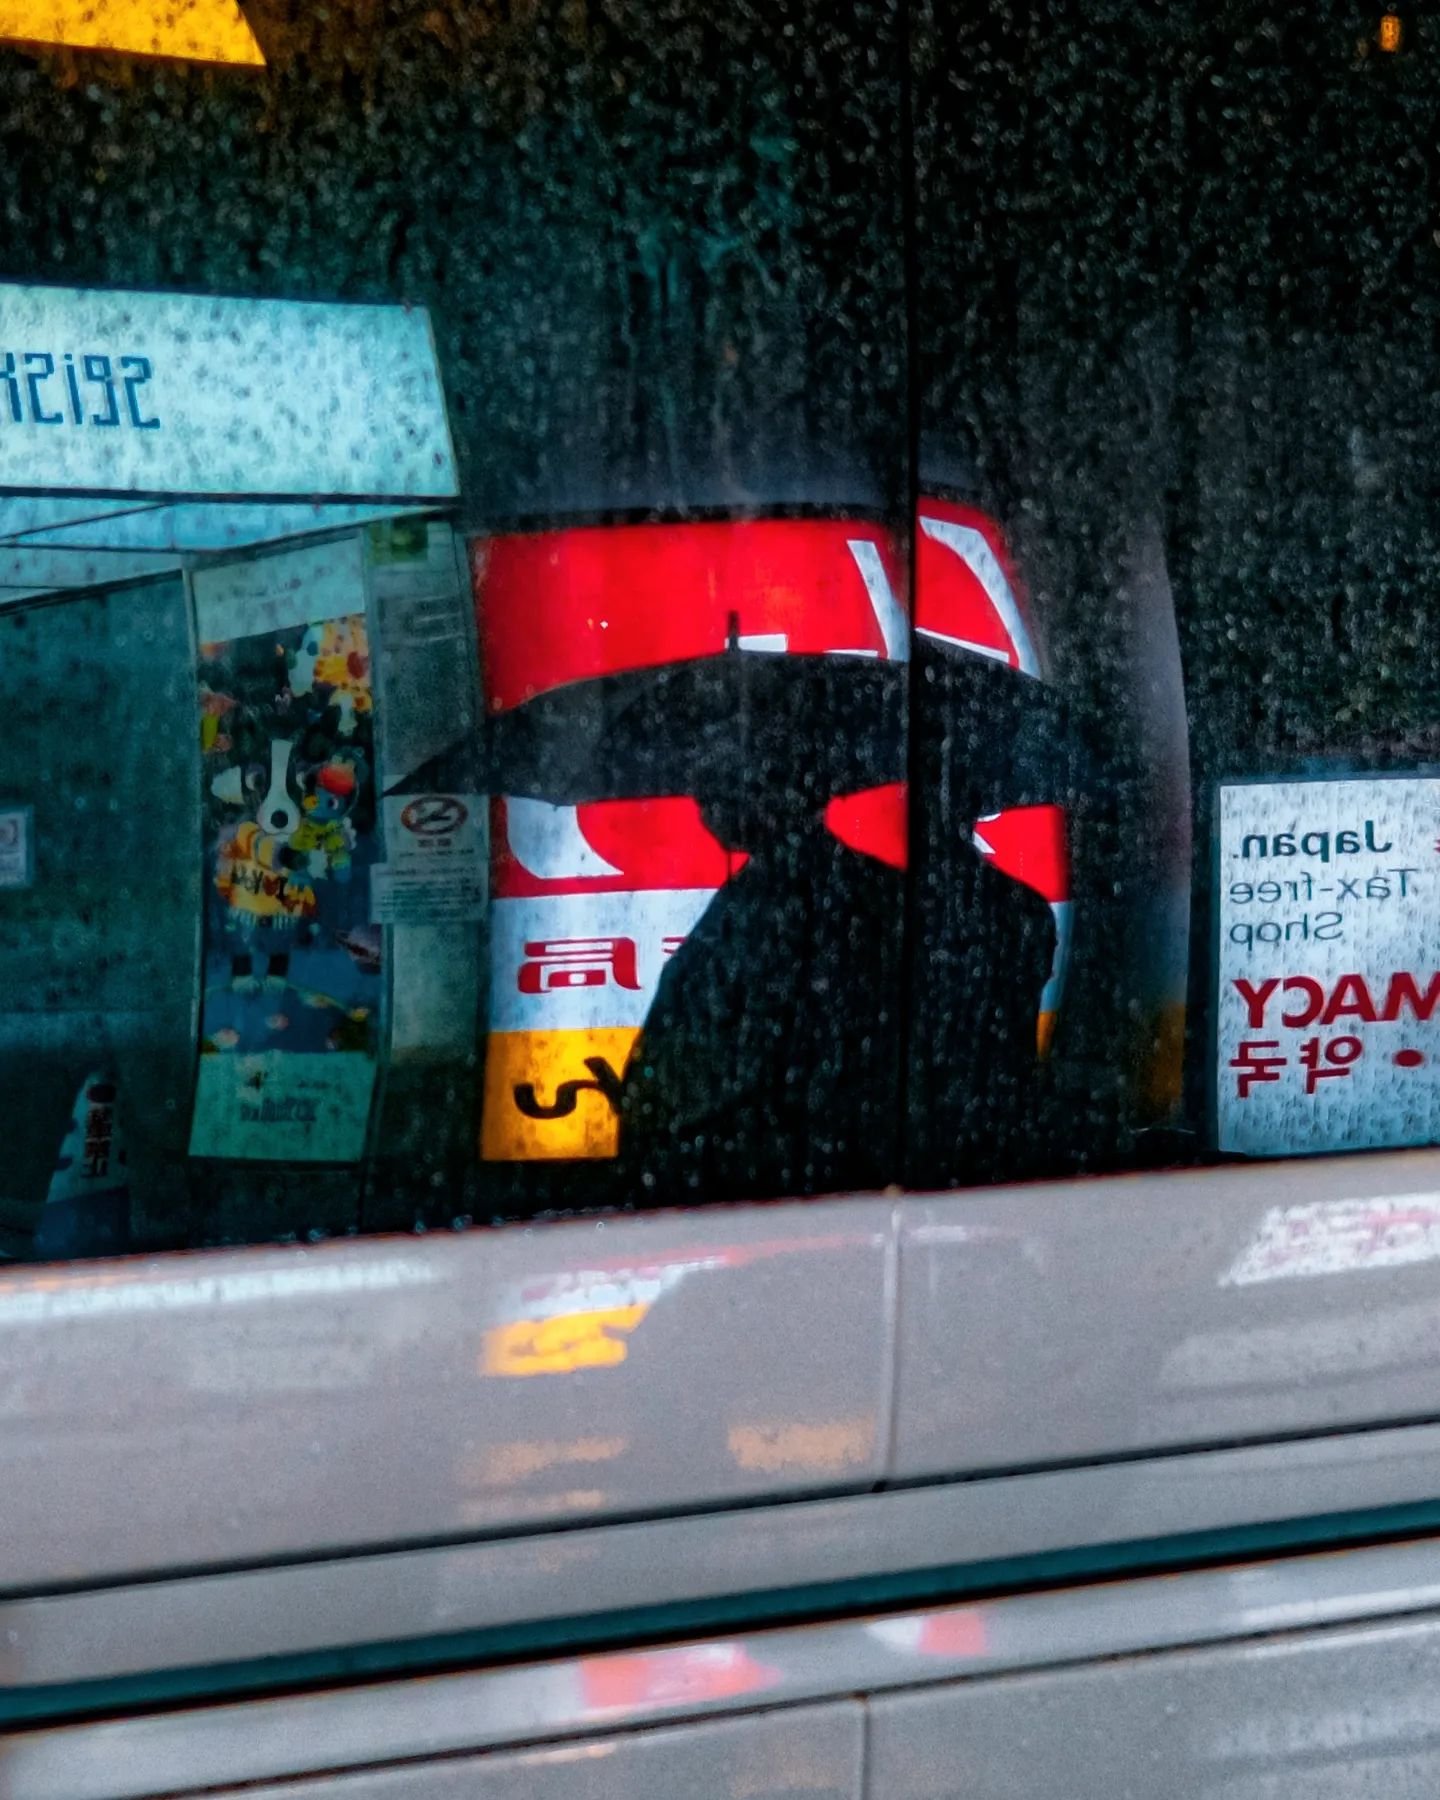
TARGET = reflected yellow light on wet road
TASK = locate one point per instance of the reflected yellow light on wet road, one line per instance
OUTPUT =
(580, 1340)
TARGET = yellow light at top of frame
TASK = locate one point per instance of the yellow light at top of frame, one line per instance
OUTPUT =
(204, 31)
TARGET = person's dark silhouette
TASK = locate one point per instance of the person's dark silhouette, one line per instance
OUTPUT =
(981, 944)
(770, 1061)
(981, 950)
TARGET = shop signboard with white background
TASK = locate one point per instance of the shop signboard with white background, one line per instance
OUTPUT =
(1328, 965)
(104, 391)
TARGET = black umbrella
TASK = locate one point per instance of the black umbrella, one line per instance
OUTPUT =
(831, 724)
(991, 736)
(690, 727)
(832, 720)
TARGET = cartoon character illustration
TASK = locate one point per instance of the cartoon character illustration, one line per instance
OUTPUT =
(325, 836)
(332, 667)
(255, 867)
(286, 724)
(256, 872)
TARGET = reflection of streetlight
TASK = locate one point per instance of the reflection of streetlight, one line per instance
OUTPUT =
(204, 31)
(1392, 32)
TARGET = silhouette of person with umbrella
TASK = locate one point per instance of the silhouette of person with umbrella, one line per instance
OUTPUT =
(771, 1058)
(770, 1055)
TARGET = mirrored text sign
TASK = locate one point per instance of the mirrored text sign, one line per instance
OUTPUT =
(109, 392)
(1328, 979)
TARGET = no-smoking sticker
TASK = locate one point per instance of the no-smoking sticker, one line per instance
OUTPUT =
(435, 815)
(436, 867)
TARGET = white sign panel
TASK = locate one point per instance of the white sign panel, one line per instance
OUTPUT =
(279, 589)
(436, 870)
(15, 866)
(585, 962)
(186, 395)
(1328, 979)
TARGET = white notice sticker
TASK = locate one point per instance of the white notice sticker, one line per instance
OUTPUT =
(16, 870)
(436, 872)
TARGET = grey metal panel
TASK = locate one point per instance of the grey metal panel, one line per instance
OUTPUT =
(257, 1613)
(354, 1728)
(1043, 1324)
(1345, 1715)
(358, 1727)
(812, 1751)
(228, 1407)
(199, 1411)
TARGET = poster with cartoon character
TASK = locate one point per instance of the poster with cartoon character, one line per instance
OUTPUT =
(292, 965)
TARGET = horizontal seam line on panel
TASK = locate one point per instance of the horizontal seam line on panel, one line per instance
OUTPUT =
(1194, 1552)
(424, 1758)
(1300, 1434)
(731, 1706)
(1213, 1640)
(816, 1496)
(341, 1554)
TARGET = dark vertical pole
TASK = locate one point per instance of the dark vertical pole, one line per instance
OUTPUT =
(912, 914)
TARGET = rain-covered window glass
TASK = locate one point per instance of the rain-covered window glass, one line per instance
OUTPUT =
(619, 603)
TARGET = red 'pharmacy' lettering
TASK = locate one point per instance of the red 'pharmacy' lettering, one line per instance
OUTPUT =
(1305, 1001)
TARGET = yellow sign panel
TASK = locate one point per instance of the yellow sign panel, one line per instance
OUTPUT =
(552, 1095)
(209, 31)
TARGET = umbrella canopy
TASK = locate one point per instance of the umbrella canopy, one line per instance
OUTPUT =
(985, 735)
(828, 724)
(694, 727)
(821, 724)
